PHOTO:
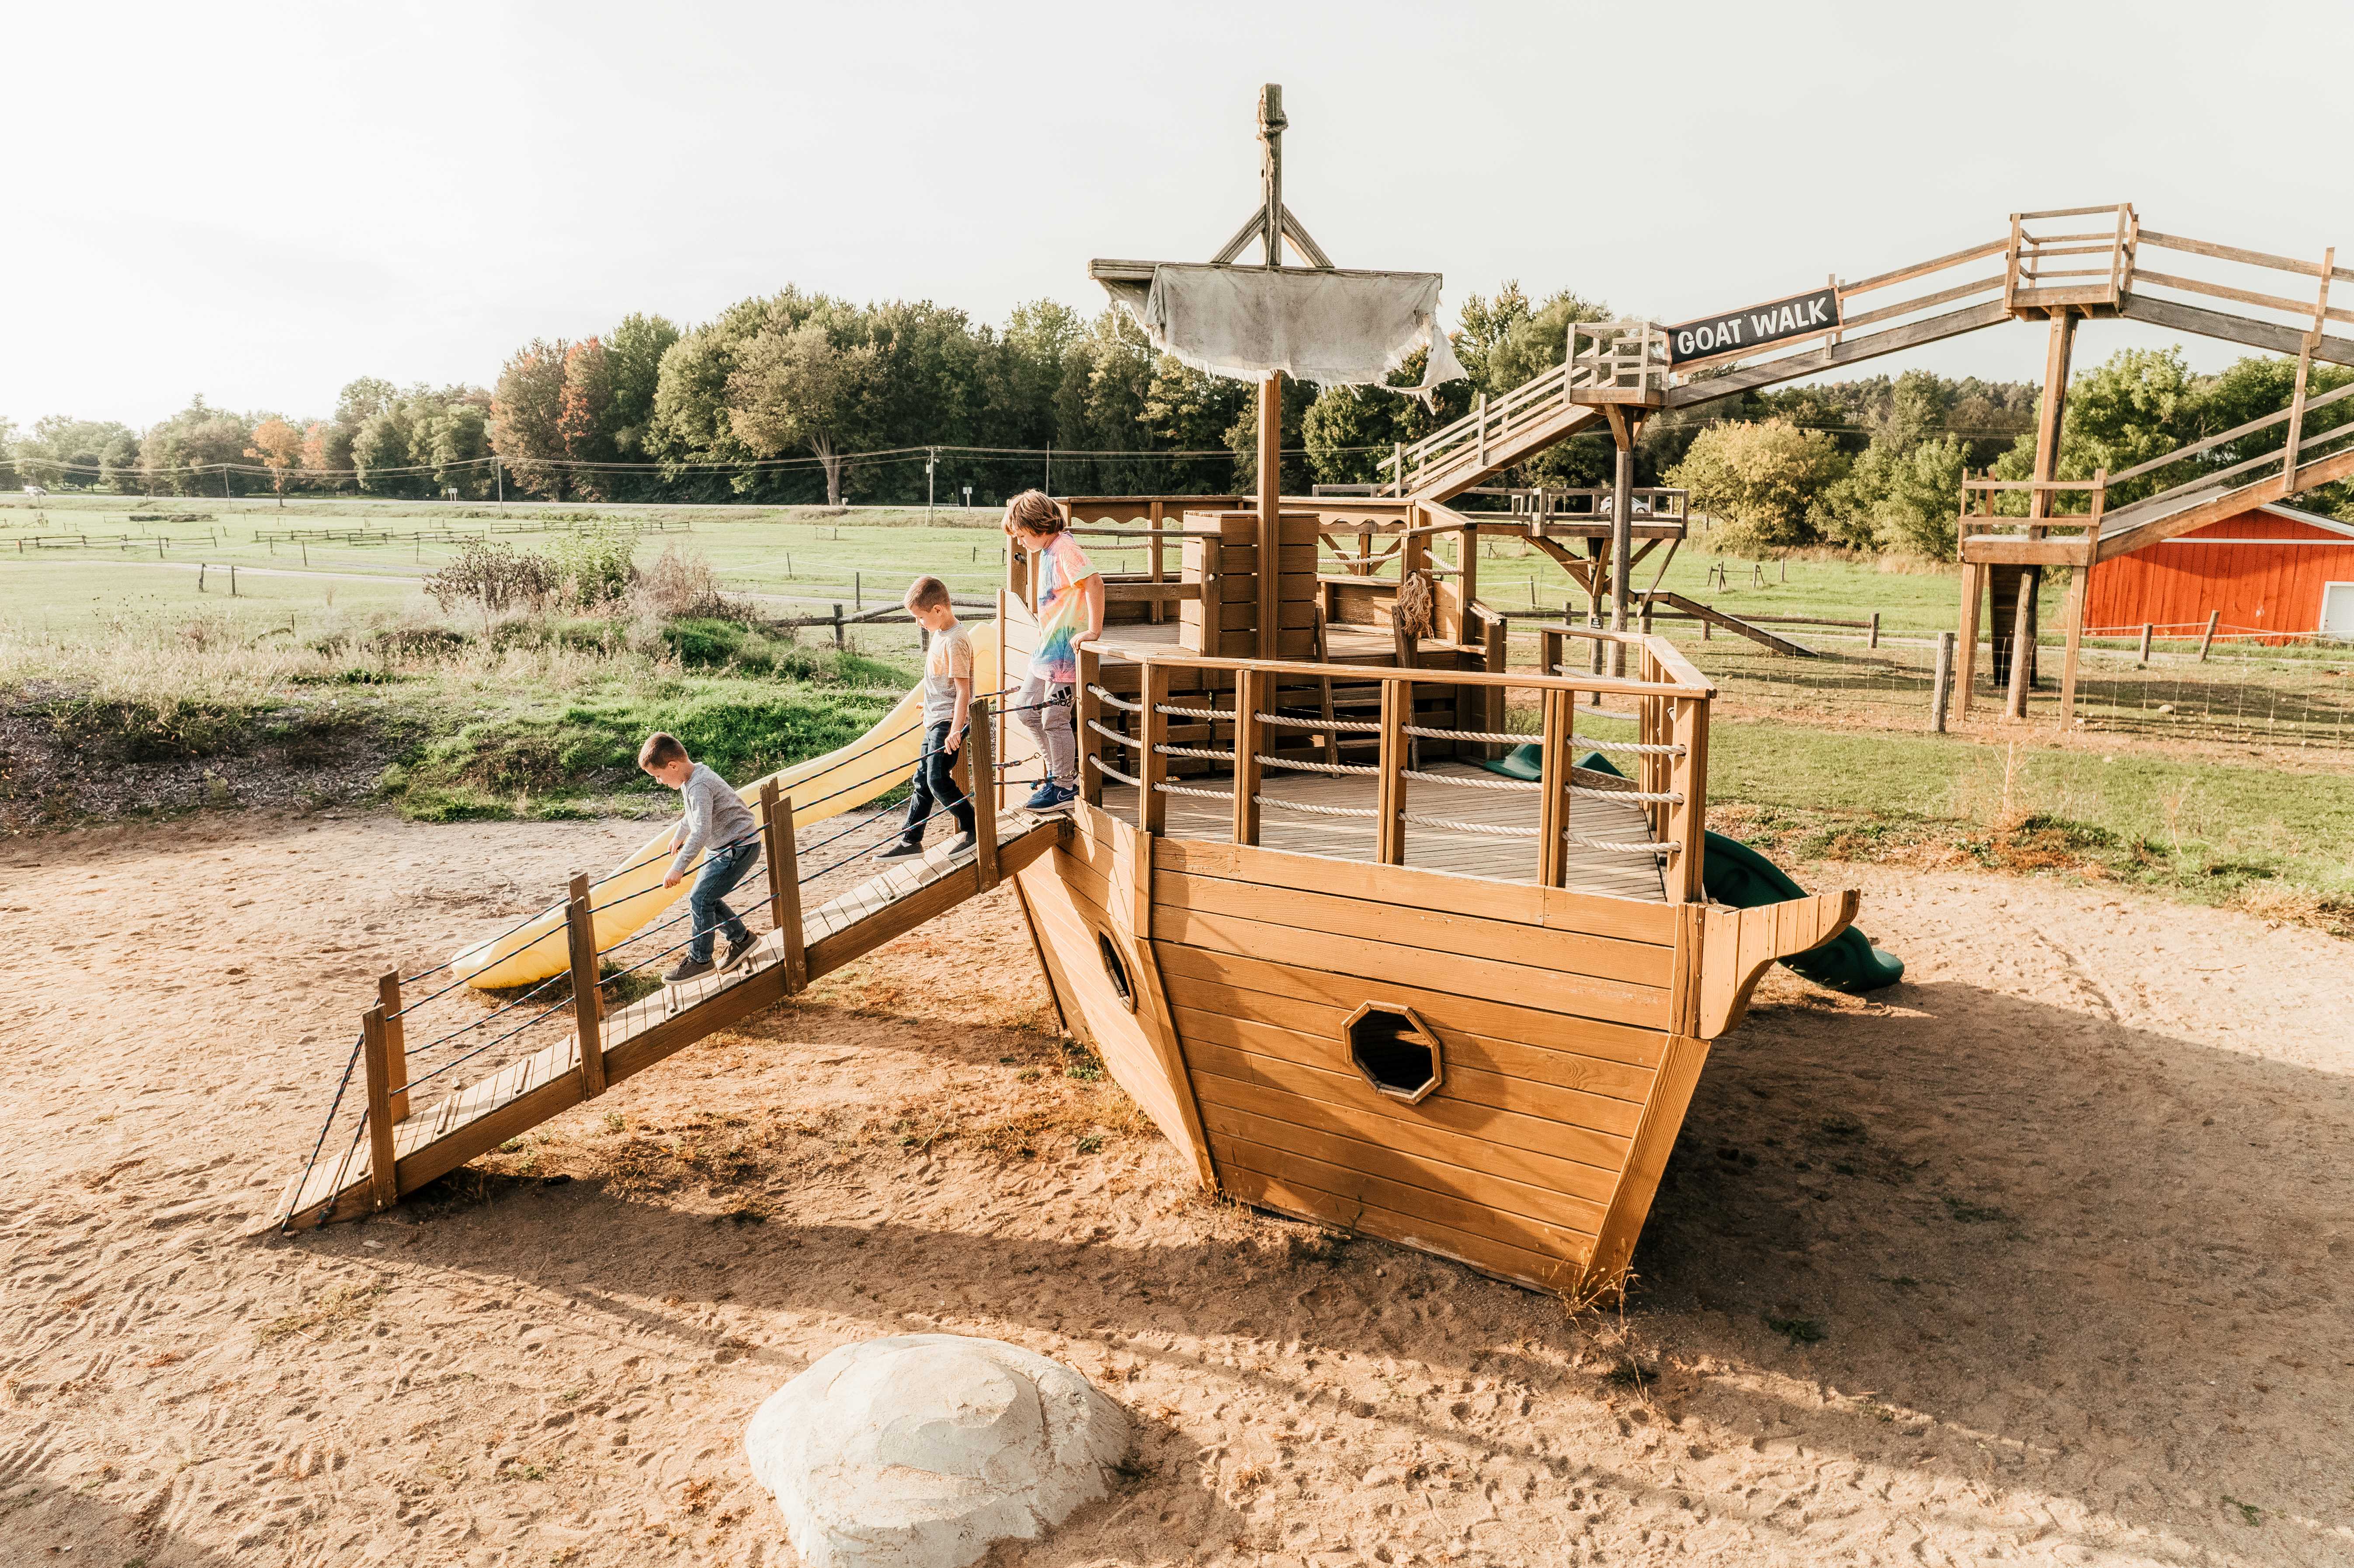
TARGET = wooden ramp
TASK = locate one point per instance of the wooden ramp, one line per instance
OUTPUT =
(476, 1118)
(1771, 641)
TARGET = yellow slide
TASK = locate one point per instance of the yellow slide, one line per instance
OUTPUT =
(632, 894)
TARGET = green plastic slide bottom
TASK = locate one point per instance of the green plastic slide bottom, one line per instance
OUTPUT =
(1736, 875)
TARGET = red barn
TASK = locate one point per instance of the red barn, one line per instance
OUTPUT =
(2272, 571)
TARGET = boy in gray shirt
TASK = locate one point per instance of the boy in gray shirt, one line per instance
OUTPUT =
(947, 699)
(717, 819)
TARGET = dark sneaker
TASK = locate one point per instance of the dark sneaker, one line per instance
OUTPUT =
(962, 844)
(687, 969)
(1048, 796)
(901, 850)
(736, 953)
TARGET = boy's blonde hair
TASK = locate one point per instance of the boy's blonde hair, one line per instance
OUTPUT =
(926, 593)
(661, 749)
(1035, 511)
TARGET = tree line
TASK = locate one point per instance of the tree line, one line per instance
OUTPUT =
(800, 398)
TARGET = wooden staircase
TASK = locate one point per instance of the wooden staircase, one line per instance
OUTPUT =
(474, 1119)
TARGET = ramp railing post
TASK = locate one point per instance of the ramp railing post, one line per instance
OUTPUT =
(384, 1181)
(1151, 801)
(982, 765)
(1389, 804)
(1553, 803)
(1251, 690)
(580, 937)
(395, 1041)
(784, 881)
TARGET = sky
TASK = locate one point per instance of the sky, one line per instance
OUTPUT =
(258, 204)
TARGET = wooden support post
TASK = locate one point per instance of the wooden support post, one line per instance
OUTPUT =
(1151, 800)
(1252, 690)
(983, 795)
(1271, 515)
(784, 881)
(837, 626)
(395, 1041)
(1492, 706)
(2022, 642)
(1966, 641)
(1549, 648)
(1941, 684)
(1554, 801)
(2146, 630)
(580, 940)
(2304, 366)
(1389, 802)
(384, 1183)
(1084, 708)
(1687, 820)
(1872, 639)
(2080, 588)
(1623, 430)
(2207, 639)
(1156, 611)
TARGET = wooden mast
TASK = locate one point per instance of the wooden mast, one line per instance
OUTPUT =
(1270, 387)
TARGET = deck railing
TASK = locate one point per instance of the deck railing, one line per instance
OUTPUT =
(1666, 696)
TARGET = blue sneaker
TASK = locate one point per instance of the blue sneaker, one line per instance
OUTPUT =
(1051, 797)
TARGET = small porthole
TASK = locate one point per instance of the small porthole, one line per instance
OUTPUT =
(1392, 1050)
(1115, 970)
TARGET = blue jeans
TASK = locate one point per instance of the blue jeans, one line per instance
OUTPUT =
(722, 870)
(934, 787)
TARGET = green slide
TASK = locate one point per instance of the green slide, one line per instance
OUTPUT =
(1734, 874)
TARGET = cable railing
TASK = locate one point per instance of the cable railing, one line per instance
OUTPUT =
(1665, 696)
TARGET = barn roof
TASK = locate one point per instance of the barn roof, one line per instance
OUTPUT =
(2233, 530)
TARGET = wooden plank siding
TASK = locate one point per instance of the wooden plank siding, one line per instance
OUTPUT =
(2260, 572)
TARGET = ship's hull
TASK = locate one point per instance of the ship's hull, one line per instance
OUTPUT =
(1562, 1069)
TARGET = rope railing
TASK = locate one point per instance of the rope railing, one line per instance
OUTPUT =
(1202, 753)
(1463, 781)
(1169, 788)
(1128, 740)
(1306, 808)
(1337, 768)
(1109, 771)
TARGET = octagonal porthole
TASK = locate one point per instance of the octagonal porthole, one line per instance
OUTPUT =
(1115, 969)
(1393, 1051)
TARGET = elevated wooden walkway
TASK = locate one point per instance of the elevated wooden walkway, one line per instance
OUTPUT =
(476, 1118)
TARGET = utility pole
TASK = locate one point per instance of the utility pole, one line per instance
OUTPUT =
(931, 462)
(1050, 467)
(498, 477)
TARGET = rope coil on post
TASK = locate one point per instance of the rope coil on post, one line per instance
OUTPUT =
(1283, 805)
(1189, 789)
(1334, 767)
(1109, 771)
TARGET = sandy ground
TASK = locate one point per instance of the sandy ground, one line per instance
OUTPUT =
(2042, 1256)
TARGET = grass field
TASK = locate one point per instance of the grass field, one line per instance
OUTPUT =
(538, 718)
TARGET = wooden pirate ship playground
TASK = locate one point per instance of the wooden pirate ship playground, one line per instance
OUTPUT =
(1381, 927)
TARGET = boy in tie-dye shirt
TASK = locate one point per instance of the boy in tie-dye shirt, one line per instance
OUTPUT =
(1070, 612)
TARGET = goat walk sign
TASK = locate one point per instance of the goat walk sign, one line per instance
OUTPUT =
(1800, 315)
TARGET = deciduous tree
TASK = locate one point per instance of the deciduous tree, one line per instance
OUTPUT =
(804, 388)
(279, 446)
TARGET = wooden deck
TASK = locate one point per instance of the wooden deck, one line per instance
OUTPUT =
(1613, 874)
(476, 1116)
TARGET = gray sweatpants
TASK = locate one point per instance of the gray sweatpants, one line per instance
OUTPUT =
(1045, 709)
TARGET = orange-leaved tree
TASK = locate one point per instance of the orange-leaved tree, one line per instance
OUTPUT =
(279, 445)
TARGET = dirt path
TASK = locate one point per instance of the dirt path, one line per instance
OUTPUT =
(2042, 1256)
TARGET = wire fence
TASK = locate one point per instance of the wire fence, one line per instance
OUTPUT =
(2246, 690)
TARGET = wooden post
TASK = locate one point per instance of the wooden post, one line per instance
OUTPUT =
(1966, 641)
(1687, 822)
(2080, 588)
(1492, 706)
(580, 938)
(2304, 365)
(1151, 801)
(384, 1183)
(1270, 514)
(1389, 803)
(1622, 526)
(2023, 633)
(983, 795)
(395, 1041)
(2207, 639)
(1084, 708)
(837, 626)
(2146, 629)
(1158, 612)
(1941, 684)
(1873, 640)
(1553, 802)
(1398, 449)
(784, 880)
(1252, 689)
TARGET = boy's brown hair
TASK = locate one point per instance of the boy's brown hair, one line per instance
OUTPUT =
(660, 749)
(1035, 511)
(926, 593)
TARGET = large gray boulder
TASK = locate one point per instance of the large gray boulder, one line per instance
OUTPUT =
(920, 1450)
